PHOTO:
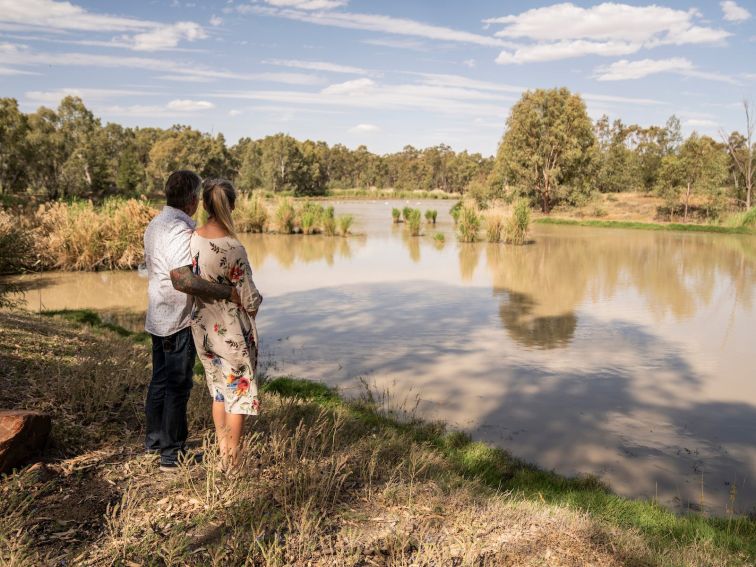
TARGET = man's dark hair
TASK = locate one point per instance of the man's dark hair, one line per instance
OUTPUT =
(182, 186)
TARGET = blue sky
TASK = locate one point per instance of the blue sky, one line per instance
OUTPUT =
(381, 73)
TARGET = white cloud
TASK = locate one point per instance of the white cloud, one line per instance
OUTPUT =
(624, 70)
(166, 37)
(87, 94)
(16, 55)
(185, 105)
(5, 71)
(317, 66)
(53, 16)
(234, 112)
(64, 16)
(364, 129)
(734, 13)
(216, 21)
(470, 63)
(562, 31)
(376, 23)
(397, 43)
(308, 4)
(701, 123)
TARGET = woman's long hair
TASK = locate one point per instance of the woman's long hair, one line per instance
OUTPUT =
(218, 198)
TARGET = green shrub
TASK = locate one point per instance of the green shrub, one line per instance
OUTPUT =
(468, 224)
(431, 215)
(396, 215)
(439, 237)
(406, 212)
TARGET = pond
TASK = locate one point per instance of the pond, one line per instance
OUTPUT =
(623, 354)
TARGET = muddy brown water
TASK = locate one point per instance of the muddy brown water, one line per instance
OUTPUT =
(624, 354)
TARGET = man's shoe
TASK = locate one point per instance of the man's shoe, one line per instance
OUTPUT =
(168, 467)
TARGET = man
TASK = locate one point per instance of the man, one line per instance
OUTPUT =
(171, 285)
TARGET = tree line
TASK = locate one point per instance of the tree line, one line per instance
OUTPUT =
(68, 152)
(551, 153)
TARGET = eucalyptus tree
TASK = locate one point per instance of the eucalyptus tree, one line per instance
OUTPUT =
(549, 149)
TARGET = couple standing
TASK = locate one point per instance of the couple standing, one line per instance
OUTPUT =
(202, 300)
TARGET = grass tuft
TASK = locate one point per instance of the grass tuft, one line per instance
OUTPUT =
(468, 224)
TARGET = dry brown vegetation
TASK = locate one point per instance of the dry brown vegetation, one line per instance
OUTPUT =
(322, 482)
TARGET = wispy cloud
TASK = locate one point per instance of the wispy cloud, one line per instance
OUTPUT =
(375, 23)
(563, 31)
(318, 66)
(54, 16)
(308, 4)
(734, 13)
(186, 105)
(364, 129)
(16, 55)
(88, 94)
(624, 70)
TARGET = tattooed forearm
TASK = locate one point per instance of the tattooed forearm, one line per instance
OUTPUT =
(184, 280)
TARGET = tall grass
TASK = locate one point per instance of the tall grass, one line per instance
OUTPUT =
(494, 225)
(251, 213)
(431, 215)
(396, 215)
(518, 223)
(406, 211)
(414, 222)
(344, 223)
(79, 236)
(16, 253)
(285, 215)
(455, 211)
(468, 224)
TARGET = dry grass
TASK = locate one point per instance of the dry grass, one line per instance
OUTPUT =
(494, 219)
(80, 236)
(251, 213)
(322, 482)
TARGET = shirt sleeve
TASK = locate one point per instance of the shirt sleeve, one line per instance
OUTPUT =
(240, 275)
(177, 252)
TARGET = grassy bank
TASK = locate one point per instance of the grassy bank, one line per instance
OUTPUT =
(646, 225)
(324, 481)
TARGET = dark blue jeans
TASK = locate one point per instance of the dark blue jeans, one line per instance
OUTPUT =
(168, 394)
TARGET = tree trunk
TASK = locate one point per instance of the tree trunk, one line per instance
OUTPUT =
(687, 200)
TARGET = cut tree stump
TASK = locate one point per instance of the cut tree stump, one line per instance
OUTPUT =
(23, 435)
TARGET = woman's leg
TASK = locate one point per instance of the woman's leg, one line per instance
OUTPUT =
(221, 429)
(234, 426)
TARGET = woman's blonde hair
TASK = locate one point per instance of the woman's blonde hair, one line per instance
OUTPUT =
(218, 198)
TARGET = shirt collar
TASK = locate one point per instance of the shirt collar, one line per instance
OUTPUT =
(179, 214)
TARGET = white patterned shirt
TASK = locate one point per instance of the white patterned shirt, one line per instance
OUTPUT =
(166, 247)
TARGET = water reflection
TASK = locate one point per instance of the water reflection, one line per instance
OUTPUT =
(516, 314)
(295, 249)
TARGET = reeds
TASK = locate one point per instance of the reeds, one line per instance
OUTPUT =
(431, 215)
(285, 215)
(79, 236)
(396, 215)
(468, 223)
(251, 213)
(494, 225)
(406, 212)
(516, 231)
(455, 211)
(344, 223)
(414, 222)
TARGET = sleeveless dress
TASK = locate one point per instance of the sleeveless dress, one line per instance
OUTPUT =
(225, 334)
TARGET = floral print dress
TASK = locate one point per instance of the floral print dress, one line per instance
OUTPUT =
(225, 333)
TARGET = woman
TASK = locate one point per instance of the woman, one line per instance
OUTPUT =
(225, 333)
